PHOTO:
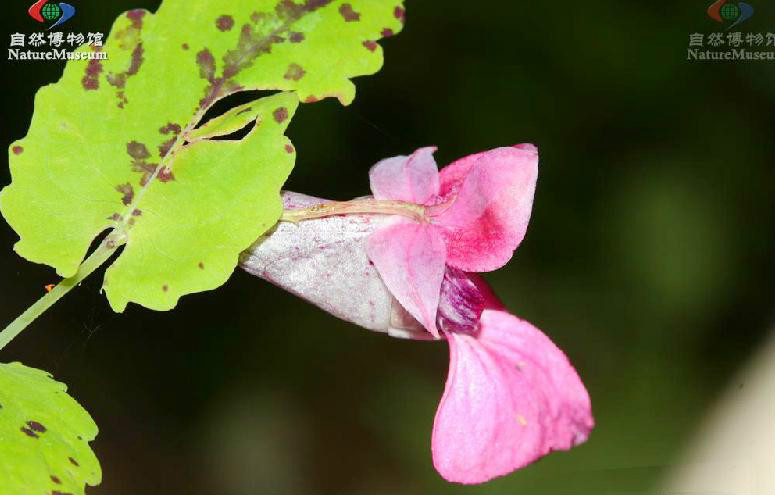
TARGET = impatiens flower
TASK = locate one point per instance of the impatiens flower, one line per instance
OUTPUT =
(402, 262)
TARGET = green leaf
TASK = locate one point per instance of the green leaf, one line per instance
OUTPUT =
(233, 120)
(111, 145)
(228, 190)
(44, 435)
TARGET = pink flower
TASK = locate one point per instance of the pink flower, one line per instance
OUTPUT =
(511, 395)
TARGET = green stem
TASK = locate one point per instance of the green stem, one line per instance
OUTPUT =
(97, 258)
(357, 206)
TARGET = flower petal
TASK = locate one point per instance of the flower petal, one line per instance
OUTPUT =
(413, 178)
(409, 257)
(511, 397)
(324, 261)
(491, 195)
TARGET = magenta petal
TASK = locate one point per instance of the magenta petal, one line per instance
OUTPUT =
(410, 259)
(491, 196)
(511, 397)
(413, 178)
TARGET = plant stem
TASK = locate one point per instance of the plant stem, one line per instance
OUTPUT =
(97, 258)
(357, 206)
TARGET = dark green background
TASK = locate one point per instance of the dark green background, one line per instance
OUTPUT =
(649, 260)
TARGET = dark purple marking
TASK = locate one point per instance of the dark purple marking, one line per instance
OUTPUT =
(311, 99)
(136, 212)
(224, 22)
(34, 425)
(184, 46)
(387, 33)
(165, 147)
(73, 461)
(136, 16)
(115, 217)
(136, 150)
(91, 79)
(56, 480)
(294, 72)
(28, 432)
(206, 63)
(296, 37)
(127, 192)
(17, 150)
(371, 45)
(400, 13)
(460, 304)
(170, 127)
(280, 114)
(289, 148)
(346, 10)
(137, 60)
(165, 175)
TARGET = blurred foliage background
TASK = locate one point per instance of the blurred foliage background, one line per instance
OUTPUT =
(649, 260)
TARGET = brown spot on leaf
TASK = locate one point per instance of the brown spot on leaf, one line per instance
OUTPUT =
(73, 461)
(91, 79)
(371, 45)
(17, 150)
(206, 63)
(387, 32)
(136, 212)
(136, 150)
(28, 432)
(348, 13)
(280, 114)
(56, 480)
(296, 37)
(170, 127)
(165, 147)
(115, 217)
(137, 60)
(34, 425)
(311, 99)
(136, 16)
(165, 288)
(400, 13)
(127, 192)
(201, 265)
(165, 175)
(224, 22)
(294, 72)
(184, 46)
(289, 148)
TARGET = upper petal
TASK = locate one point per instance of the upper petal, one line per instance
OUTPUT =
(409, 257)
(511, 397)
(413, 178)
(491, 196)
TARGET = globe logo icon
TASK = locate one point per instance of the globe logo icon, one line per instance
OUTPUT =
(729, 12)
(50, 11)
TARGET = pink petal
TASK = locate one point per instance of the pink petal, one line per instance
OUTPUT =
(409, 257)
(511, 397)
(414, 178)
(491, 196)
